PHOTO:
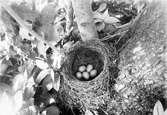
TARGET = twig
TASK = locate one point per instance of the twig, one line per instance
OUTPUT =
(124, 28)
(134, 23)
(112, 36)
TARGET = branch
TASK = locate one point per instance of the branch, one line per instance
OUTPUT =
(84, 17)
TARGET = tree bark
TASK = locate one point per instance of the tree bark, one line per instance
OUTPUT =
(84, 18)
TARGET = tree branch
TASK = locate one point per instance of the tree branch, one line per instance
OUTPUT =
(84, 17)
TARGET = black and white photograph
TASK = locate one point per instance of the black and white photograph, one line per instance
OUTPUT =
(83, 57)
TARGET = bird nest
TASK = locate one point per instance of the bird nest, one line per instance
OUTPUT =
(92, 92)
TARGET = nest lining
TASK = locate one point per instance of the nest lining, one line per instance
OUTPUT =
(85, 56)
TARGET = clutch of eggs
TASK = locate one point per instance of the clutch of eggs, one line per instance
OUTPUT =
(86, 72)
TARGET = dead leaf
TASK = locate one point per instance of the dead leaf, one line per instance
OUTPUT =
(158, 109)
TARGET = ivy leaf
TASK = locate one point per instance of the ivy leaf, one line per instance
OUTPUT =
(158, 109)
(42, 75)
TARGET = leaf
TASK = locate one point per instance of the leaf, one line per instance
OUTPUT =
(109, 19)
(42, 75)
(158, 109)
(102, 7)
(41, 64)
(56, 83)
(105, 17)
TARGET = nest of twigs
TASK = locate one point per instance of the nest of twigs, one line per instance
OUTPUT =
(91, 92)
